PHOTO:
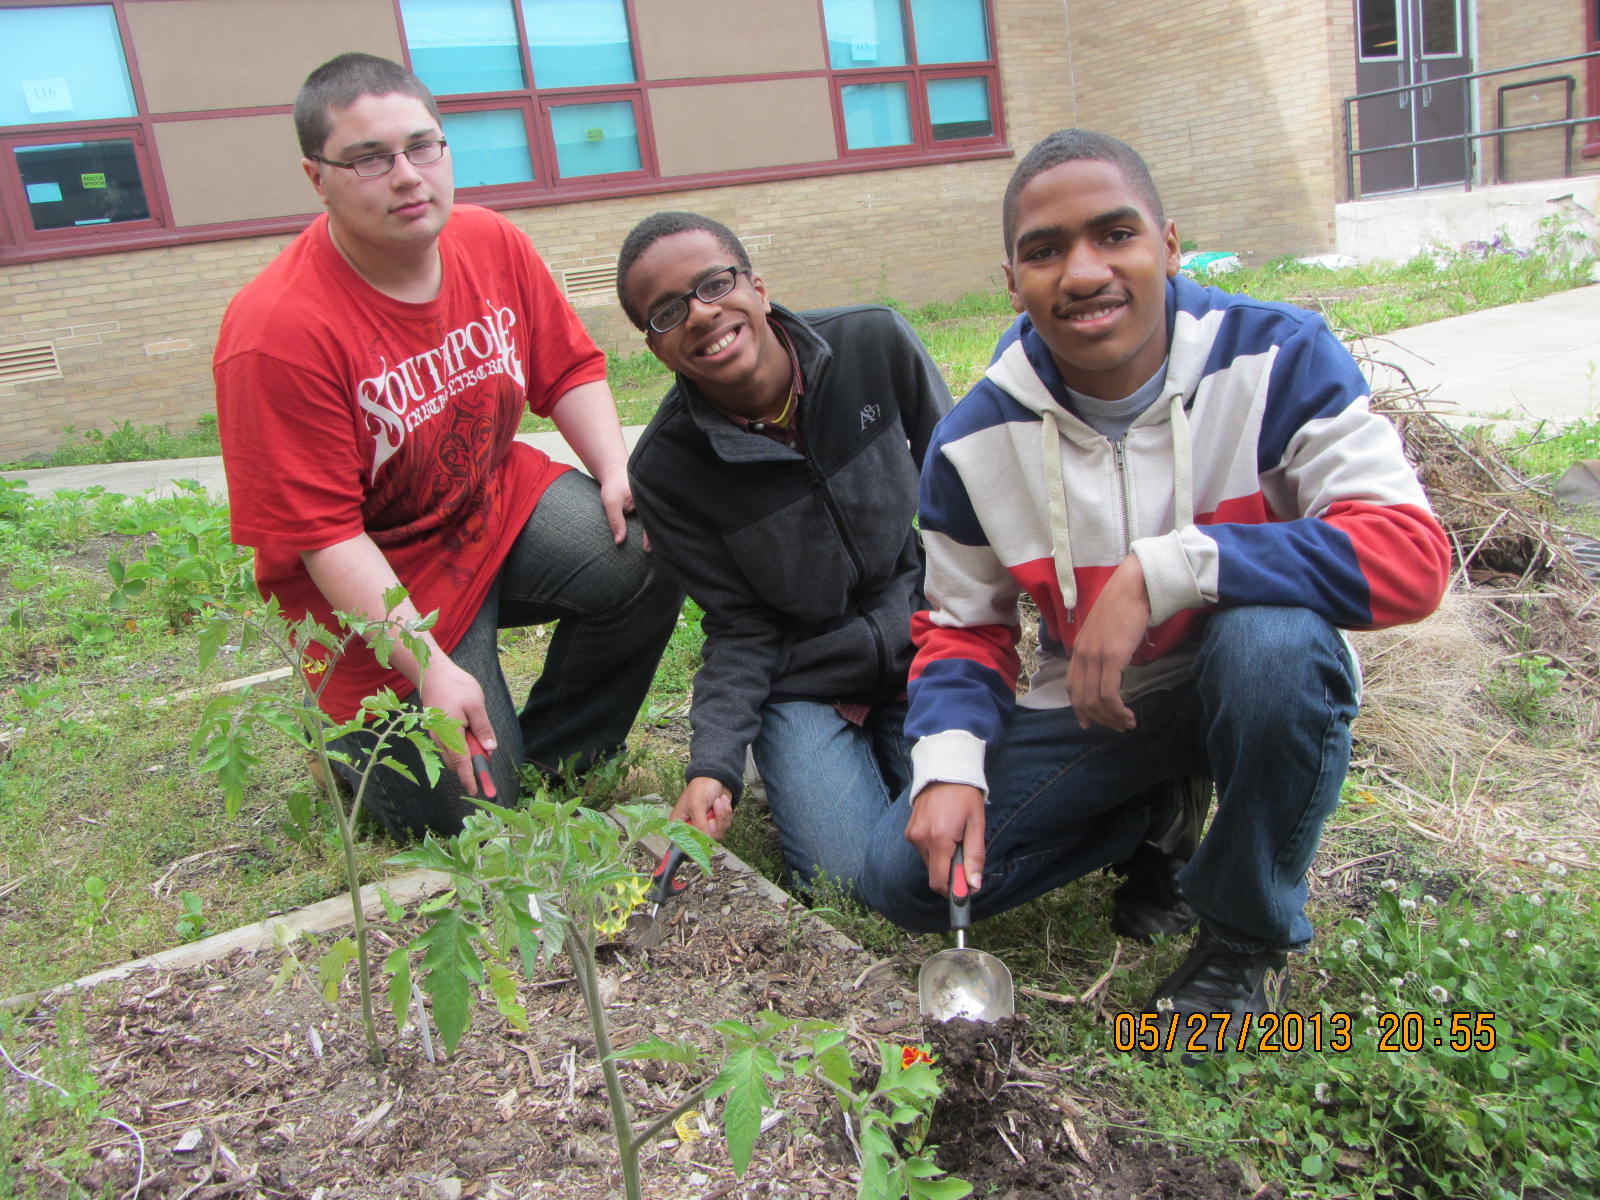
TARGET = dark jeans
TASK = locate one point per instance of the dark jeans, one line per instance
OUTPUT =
(1267, 716)
(829, 782)
(614, 609)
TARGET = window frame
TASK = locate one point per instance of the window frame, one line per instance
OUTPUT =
(923, 147)
(22, 241)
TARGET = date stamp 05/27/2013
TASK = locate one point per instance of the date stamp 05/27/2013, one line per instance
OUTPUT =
(1292, 1032)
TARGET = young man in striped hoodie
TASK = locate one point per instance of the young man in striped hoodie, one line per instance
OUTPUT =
(1192, 489)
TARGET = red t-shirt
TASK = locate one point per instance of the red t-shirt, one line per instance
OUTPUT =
(344, 411)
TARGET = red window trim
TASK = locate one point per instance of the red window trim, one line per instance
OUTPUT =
(20, 243)
(917, 76)
(15, 199)
(1591, 148)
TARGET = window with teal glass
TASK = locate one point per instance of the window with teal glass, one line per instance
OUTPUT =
(62, 64)
(950, 31)
(595, 139)
(578, 43)
(864, 33)
(875, 114)
(959, 108)
(82, 183)
(489, 147)
(463, 46)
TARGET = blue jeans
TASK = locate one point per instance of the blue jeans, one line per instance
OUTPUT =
(614, 609)
(1266, 715)
(829, 782)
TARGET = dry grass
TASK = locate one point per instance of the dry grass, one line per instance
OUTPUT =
(1435, 730)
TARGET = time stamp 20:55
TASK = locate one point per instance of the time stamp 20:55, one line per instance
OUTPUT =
(1335, 1032)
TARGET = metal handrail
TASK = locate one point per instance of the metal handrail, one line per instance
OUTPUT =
(1468, 136)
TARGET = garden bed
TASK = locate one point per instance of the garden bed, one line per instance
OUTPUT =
(244, 1081)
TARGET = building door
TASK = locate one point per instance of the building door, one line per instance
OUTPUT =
(1401, 42)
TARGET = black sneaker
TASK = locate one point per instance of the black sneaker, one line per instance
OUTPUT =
(1217, 980)
(1148, 905)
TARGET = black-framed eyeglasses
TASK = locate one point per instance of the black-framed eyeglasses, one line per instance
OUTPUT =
(669, 314)
(370, 166)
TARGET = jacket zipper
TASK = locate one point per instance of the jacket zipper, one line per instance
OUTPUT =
(1120, 460)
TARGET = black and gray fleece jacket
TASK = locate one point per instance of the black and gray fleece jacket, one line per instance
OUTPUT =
(807, 565)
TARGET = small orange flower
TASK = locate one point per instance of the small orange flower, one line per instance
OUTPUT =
(910, 1056)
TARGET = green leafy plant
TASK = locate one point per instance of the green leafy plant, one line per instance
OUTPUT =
(1471, 1067)
(189, 560)
(192, 925)
(530, 884)
(886, 1120)
(225, 741)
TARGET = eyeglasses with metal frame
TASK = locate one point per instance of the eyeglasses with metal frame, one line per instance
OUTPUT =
(370, 166)
(669, 314)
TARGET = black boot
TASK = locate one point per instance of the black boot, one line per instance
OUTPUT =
(1148, 905)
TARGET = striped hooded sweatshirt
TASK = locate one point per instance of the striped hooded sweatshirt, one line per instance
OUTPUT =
(1259, 476)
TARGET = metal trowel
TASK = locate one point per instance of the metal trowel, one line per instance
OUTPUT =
(644, 929)
(962, 982)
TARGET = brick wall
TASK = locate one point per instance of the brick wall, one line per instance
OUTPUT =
(1509, 34)
(1235, 107)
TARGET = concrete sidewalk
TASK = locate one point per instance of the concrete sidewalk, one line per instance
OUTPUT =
(1513, 366)
(136, 478)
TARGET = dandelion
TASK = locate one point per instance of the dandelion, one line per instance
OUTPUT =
(1438, 994)
(1390, 885)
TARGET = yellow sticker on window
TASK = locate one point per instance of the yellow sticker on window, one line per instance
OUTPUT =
(96, 180)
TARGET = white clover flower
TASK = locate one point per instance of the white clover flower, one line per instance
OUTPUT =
(1406, 902)
(1464, 943)
(1396, 983)
(1164, 1004)
(1537, 951)
(1370, 1011)
(1428, 898)
(1321, 1093)
(1535, 899)
(1536, 858)
(1390, 885)
(1438, 994)
(1349, 945)
(1411, 976)
(1512, 934)
(1556, 869)
(1368, 998)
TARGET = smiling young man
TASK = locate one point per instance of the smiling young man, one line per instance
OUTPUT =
(370, 383)
(778, 481)
(1192, 489)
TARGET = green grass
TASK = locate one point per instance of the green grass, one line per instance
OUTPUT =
(126, 442)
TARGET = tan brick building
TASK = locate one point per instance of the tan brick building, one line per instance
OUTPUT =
(861, 146)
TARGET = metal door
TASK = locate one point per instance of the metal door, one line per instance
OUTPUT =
(1402, 42)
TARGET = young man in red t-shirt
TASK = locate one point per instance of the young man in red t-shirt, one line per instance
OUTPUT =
(369, 387)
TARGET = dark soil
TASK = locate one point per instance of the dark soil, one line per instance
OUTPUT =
(243, 1082)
